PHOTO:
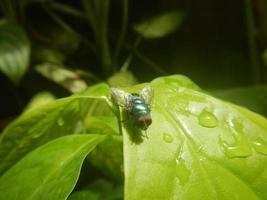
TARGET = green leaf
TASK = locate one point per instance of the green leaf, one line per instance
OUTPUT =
(62, 76)
(253, 97)
(44, 123)
(122, 79)
(14, 51)
(107, 157)
(160, 26)
(84, 194)
(99, 189)
(198, 147)
(49, 172)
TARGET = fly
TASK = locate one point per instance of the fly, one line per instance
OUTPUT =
(138, 106)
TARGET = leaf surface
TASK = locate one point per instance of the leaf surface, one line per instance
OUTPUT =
(49, 172)
(198, 147)
(44, 123)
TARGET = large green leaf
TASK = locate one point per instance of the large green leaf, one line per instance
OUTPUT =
(159, 26)
(47, 122)
(49, 172)
(14, 51)
(198, 147)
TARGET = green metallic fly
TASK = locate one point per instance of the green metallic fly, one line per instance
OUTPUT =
(138, 106)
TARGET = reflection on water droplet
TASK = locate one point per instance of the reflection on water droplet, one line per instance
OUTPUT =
(239, 149)
(207, 119)
(260, 146)
(182, 172)
(167, 138)
(60, 122)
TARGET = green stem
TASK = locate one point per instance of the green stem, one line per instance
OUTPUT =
(253, 51)
(105, 51)
(69, 29)
(122, 34)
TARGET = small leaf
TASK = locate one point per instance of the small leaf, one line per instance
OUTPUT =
(63, 76)
(122, 79)
(198, 147)
(49, 172)
(83, 195)
(99, 189)
(44, 123)
(14, 51)
(160, 26)
(40, 99)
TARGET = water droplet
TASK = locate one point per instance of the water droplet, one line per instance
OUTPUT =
(260, 146)
(167, 138)
(207, 119)
(239, 149)
(182, 172)
(60, 122)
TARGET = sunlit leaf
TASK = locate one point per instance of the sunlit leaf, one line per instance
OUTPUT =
(14, 51)
(198, 147)
(63, 76)
(49, 172)
(44, 123)
(159, 26)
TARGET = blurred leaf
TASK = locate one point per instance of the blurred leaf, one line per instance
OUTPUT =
(253, 97)
(14, 51)
(49, 172)
(159, 26)
(41, 54)
(102, 125)
(40, 99)
(99, 189)
(122, 79)
(55, 119)
(198, 147)
(108, 155)
(84, 195)
(67, 78)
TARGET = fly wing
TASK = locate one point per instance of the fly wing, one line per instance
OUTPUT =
(147, 94)
(120, 97)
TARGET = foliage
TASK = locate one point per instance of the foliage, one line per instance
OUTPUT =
(64, 137)
(217, 147)
(15, 51)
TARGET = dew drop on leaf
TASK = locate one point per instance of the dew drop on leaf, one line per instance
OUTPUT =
(167, 138)
(239, 149)
(182, 172)
(207, 119)
(260, 146)
(60, 122)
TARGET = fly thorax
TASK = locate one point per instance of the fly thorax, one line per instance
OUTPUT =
(139, 107)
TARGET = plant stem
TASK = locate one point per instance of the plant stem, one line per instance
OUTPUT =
(122, 34)
(253, 51)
